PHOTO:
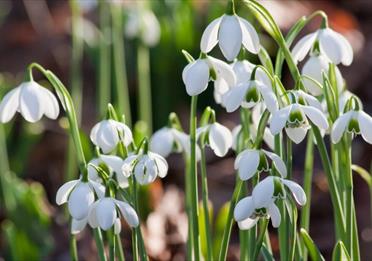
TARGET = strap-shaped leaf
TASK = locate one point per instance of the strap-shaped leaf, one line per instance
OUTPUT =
(340, 252)
(311, 247)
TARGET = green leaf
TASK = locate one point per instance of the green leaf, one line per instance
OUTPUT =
(188, 56)
(266, 60)
(340, 252)
(311, 247)
(329, 95)
(203, 231)
(266, 253)
(219, 228)
(364, 174)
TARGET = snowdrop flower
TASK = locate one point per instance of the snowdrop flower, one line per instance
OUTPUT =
(197, 74)
(104, 214)
(249, 94)
(355, 122)
(217, 136)
(145, 167)
(251, 161)
(332, 45)
(142, 23)
(262, 202)
(230, 32)
(108, 133)
(31, 100)
(295, 118)
(314, 67)
(79, 196)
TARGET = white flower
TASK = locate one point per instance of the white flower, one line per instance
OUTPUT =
(197, 74)
(250, 93)
(108, 133)
(80, 196)
(230, 32)
(31, 100)
(251, 161)
(145, 167)
(295, 118)
(104, 214)
(142, 23)
(92, 172)
(219, 138)
(314, 67)
(332, 45)
(355, 122)
(262, 202)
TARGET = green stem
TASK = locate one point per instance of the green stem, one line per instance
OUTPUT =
(112, 244)
(261, 235)
(99, 243)
(144, 86)
(119, 248)
(73, 248)
(194, 179)
(189, 243)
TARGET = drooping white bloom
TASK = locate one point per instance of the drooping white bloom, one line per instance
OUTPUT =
(197, 74)
(314, 67)
(80, 196)
(262, 202)
(355, 122)
(145, 167)
(218, 137)
(31, 100)
(143, 24)
(108, 133)
(332, 45)
(104, 214)
(230, 32)
(251, 161)
(295, 117)
(249, 94)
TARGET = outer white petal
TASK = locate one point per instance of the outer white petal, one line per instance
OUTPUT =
(250, 38)
(145, 170)
(230, 36)
(9, 105)
(196, 77)
(125, 132)
(247, 164)
(50, 103)
(151, 28)
(243, 70)
(314, 68)
(311, 100)
(92, 216)
(340, 125)
(335, 47)
(248, 223)
(80, 200)
(234, 97)
(274, 213)
(98, 188)
(316, 116)
(162, 142)
(128, 213)
(296, 134)
(263, 193)
(269, 98)
(223, 70)
(303, 47)
(117, 226)
(279, 119)
(106, 213)
(209, 37)
(115, 163)
(122, 180)
(127, 167)
(278, 162)
(92, 172)
(30, 102)
(297, 191)
(220, 139)
(78, 225)
(220, 88)
(160, 162)
(64, 191)
(244, 209)
(365, 125)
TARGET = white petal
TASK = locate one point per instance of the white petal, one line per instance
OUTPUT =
(247, 223)
(243, 209)
(128, 213)
(209, 37)
(279, 119)
(250, 38)
(223, 70)
(296, 134)
(115, 163)
(50, 103)
(145, 170)
(125, 132)
(92, 216)
(303, 47)
(314, 67)
(263, 193)
(117, 226)
(234, 97)
(30, 102)
(106, 213)
(196, 77)
(340, 125)
(316, 116)
(365, 125)
(230, 37)
(220, 88)
(274, 213)
(278, 162)
(92, 172)
(247, 164)
(9, 105)
(78, 225)
(335, 47)
(220, 139)
(269, 98)
(161, 163)
(162, 142)
(127, 167)
(98, 188)
(80, 200)
(297, 191)
(243, 70)
(311, 100)
(122, 180)
(64, 191)
(150, 28)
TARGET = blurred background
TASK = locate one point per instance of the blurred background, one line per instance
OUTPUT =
(32, 227)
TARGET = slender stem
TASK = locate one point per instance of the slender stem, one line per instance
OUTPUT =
(194, 179)
(119, 248)
(112, 244)
(261, 235)
(99, 243)
(205, 199)
(73, 248)
(189, 243)
(144, 86)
